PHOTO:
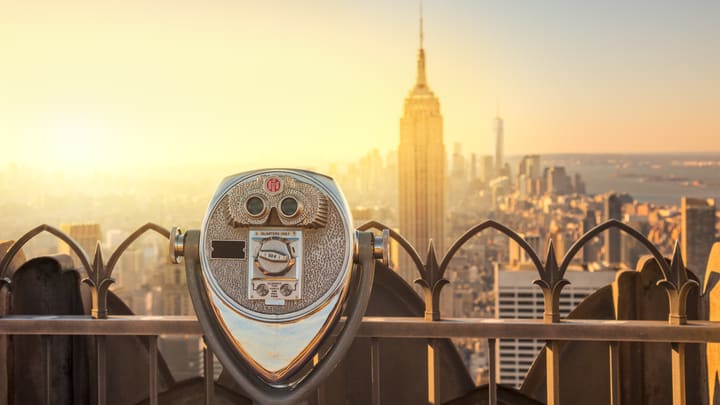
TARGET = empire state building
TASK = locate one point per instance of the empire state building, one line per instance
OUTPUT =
(421, 168)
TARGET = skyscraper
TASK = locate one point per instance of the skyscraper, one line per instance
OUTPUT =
(698, 233)
(499, 139)
(86, 235)
(421, 169)
(613, 210)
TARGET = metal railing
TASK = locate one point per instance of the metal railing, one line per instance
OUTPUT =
(677, 330)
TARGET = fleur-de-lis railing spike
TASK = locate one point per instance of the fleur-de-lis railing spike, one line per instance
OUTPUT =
(432, 282)
(99, 281)
(551, 282)
(678, 287)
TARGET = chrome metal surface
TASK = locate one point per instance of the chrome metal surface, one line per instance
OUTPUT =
(177, 245)
(381, 247)
(276, 300)
(235, 363)
(331, 244)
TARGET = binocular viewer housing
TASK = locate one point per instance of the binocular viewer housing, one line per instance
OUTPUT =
(272, 269)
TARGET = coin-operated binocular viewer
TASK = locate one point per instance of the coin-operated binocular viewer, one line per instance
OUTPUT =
(275, 265)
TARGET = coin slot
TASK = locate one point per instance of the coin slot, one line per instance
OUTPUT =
(228, 249)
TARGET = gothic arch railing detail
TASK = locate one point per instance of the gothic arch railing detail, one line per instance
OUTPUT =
(676, 282)
(552, 274)
(551, 281)
(98, 273)
(609, 224)
(27, 237)
(490, 224)
(115, 256)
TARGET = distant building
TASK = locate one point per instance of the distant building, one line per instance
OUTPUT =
(517, 298)
(630, 250)
(86, 235)
(174, 291)
(458, 179)
(499, 140)
(589, 221)
(486, 164)
(698, 233)
(613, 210)
(421, 168)
(528, 175)
(578, 184)
(557, 181)
(473, 167)
(517, 256)
(530, 166)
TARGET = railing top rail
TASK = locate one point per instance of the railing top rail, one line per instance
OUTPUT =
(394, 327)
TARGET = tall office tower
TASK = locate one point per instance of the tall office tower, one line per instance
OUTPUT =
(517, 298)
(529, 166)
(86, 235)
(473, 167)
(528, 174)
(457, 181)
(613, 210)
(486, 163)
(557, 181)
(459, 169)
(698, 233)
(421, 169)
(499, 139)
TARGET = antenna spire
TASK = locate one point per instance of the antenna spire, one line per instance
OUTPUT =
(421, 80)
(421, 25)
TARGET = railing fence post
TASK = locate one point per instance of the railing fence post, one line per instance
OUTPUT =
(614, 373)
(152, 369)
(100, 347)
(375, 370)
(208, 360)
(492, 374)
(47, 364)
(552, 364)
(433, 370)
(678, 373)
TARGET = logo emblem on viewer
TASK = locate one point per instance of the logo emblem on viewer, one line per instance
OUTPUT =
(273, 185)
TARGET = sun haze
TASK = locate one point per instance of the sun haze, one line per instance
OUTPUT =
(132, 84)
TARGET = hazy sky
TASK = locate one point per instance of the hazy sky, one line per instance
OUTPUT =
(283, 83)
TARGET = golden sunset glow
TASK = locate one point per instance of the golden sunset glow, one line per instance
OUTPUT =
(249, 84)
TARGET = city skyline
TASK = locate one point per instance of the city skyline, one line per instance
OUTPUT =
(131, 85)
